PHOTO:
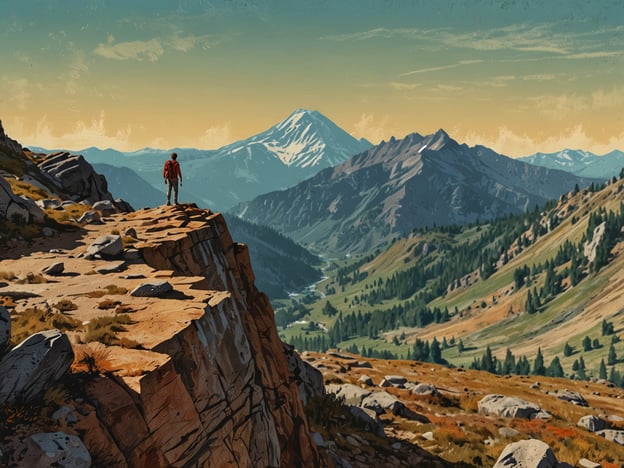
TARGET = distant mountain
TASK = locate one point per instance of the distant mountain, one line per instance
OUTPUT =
(402, 184)
(280, 265)
(581, 163)
(127, 184)
(280, 157)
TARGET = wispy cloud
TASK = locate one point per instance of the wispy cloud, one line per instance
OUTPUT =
(440, 68)
(153, 49)
(560, 107)
(136, 50)
(546, 38)
(511, 143)
(371, 128)
(82, 135)
(404, 86)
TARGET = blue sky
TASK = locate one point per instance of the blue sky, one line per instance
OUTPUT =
(517, 75)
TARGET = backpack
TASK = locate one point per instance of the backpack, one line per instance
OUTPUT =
(168, 170)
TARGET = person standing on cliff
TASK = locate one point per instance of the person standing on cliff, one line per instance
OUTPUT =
(172, 175)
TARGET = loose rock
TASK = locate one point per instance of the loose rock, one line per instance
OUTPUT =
(152, 289)
(527, 454)
(592, 423)
(56, 449)
(55, 269)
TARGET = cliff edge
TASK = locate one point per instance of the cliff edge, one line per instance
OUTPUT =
(196, 375)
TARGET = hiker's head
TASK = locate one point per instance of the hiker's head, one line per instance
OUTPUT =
(174, 156)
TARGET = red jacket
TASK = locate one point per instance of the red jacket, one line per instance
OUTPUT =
(173, 167)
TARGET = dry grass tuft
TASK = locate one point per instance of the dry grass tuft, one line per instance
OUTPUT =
(110, 289)
(108, 304)
(7, 275)
(32, 278)
(34, 320)
(65, 305)
(105, 329)
(92, 358)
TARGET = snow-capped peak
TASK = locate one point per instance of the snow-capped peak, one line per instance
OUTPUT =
(306, 138)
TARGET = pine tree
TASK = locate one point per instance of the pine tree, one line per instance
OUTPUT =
(555, 369)
(612, 356)
(509, 366)
(435, 353)
(567, 349)
(587, 344)
(460, 346)
(581, 372)
(602, 371)
(538, 365)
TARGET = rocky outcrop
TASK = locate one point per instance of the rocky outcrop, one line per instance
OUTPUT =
(55, 449)
(572, 397)
(33, 365)
(510, 407)
(219, 392)
(308, 379)
(527, 454)
(12, 145)
(18, 209)
(76, 178)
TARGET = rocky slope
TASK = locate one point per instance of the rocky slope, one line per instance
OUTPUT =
(470, 418)
(402, 184)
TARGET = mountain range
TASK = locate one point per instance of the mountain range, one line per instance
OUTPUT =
(581, 163)
(285, 154)
(404, 184)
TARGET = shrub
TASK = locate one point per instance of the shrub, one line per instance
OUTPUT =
(105, 329)
(110, 289)
(65, 305)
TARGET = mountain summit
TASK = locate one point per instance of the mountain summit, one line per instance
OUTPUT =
(292, 150)
(402, 184)
(306, 139)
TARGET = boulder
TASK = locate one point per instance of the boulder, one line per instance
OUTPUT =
(380, 402)
(393, 381)
(5, 329)
(55, 269)
(33, 365)
(105, 207)
(48, 203)
(585, 463)
(507, 432)
(108, 246)
(369, 419)
(509, 407)
(112, 267)
(309, 380)
(89, 217)
(123, 206)
(572, 397)
(55, 449)
(16, 208)
(352, 394)
(365, 380)
(592, 423)
(157, 289)
(423, 389)
(612, 435)
(527, 454)
(362, 364)
(130, 232)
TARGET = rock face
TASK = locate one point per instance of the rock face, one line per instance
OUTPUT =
(527, 454)
(17, 208)
(221, 393)
(5, 329)
(29, 368)
(309, 380)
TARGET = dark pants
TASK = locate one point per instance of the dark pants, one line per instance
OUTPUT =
(172, 183)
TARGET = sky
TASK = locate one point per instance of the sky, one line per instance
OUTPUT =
(519, 76)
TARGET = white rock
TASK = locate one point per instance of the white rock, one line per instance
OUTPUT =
(527, 454)
(56, 449)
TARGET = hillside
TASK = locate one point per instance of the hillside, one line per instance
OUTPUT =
(521, 283)
(398, 185)
(281, 265)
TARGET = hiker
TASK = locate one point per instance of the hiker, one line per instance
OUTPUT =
(172, 173)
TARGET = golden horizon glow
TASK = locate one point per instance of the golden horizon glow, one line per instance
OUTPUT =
(518, 78)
